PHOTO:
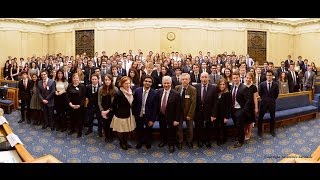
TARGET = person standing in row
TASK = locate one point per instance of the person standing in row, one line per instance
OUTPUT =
(221, 114)
(268, 92)
(169, 113)
(123, 121)
(60, 100)
(46, 89)
(93, 107)
(25, 96)
(105, 99)
(35, 104)
(144, 110)
(188, 96)
(75, 98)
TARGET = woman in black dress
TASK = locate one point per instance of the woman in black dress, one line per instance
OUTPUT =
(106, 95)
(253, 104)
(222, 111)
(14, 71)
(75, 98)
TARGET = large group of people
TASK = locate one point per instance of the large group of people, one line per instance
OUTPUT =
(127, 92)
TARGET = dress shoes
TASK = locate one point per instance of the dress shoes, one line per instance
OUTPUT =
(108, 140)
(44, 127)
(123, 146)
(190, 145)
(88, 132)
(260, 134)
(200, 144)
(179, 146)
(148, 146)
(28, 121)
(171, 149)
(273, 134)
(71, 132)
(138, 146)
(52, 128)
(100, 134)
(208, 144)
(128, 145)
(162, 143)
(20, 121)
(237, 145)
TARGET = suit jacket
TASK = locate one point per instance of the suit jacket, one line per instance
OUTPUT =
(193, 78)
(175, 81)
(92, 97)
(156, 79)
(287, 63)
(309, 82)
(290, 81)
(186, 69)
(173, 108)
(214, 78)
(223, 106)
(150, 106)
(279, 70)
(268, 96)
(243, 97)
(48, 92)
(24, 93)
(189, 101)
(208, 106)
(123, 72)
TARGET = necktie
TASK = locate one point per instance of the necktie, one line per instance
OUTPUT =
(293, 77)
(44, 84)
(196, 76)
(234, 96)
(164, 103)
(214, 79)
(183, 94)
(94, 89)
(178, 79)
(269, 86)
(204, 93)
(143, 103)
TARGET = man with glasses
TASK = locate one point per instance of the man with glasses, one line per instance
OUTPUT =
(144, 110)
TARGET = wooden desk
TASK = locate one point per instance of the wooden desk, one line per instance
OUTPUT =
(21, 150)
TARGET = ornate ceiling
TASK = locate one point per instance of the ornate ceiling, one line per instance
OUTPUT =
(53, 21)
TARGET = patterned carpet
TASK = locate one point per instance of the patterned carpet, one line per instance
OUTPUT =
(302, 138)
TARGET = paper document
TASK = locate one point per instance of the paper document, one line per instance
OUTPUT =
(3, 120)
(9, 157)
(13, 139)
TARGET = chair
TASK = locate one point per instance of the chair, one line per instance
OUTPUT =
(5, 103)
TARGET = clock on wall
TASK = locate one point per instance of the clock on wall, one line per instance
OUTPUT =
(171, 36)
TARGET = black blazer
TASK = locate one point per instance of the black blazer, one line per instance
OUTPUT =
(207, 108)
(193, 78)
(173, 109)
(243, 97)
(222, 106)
(175, 81)
(150, 106)
(93, 98)
(290, 81)
(121, 106)
(268, 96)
(25, 93)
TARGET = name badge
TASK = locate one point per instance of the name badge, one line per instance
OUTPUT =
(194, 83)
(187, 96)
(77, 88)
(230, 83)
(273, 77)
(47, 87)
(159, 85)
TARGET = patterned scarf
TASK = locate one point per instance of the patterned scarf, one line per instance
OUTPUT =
(128, 94)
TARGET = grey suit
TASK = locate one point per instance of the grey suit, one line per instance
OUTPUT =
(47, 93)
(214, 78)
(309, 80)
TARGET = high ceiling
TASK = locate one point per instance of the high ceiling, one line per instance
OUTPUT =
(289, 21)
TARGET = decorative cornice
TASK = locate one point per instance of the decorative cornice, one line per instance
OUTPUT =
(274, 25)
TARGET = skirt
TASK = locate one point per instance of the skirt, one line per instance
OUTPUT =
(123, 124)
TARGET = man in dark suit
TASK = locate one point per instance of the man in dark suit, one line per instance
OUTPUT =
(268, 92)
(24, 96)
(195, 75)
(188, 95)
(46, 89)
(239, 106)
(115, 76)
(169, 113)
(176, 79)
(88, 71)
(144, 109)
(288, 62)
(293, 79)
(265, 68)
(188, 67)
(92, 107)
(206, 94)
(282, 68)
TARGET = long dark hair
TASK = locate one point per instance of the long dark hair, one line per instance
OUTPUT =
(108, 90)
(63, 79)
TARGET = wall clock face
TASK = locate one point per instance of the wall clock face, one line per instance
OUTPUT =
(171, 36)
